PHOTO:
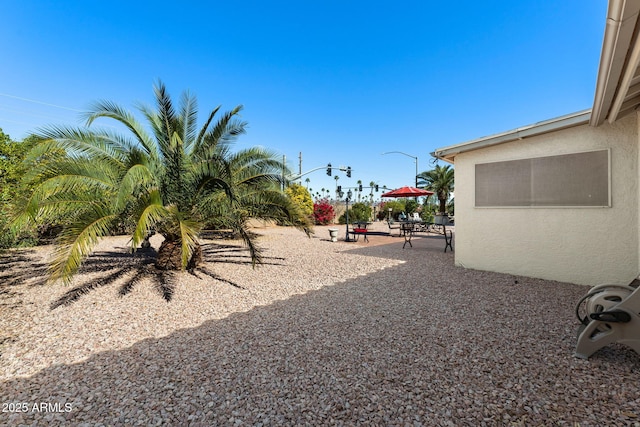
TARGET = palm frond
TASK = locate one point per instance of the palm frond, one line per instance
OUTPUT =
(225, 131)
(154, 121)
(276, 206)
(203, 130)
(60, 185)
(166, 118)
(137, 176)
(107, 109)
(77, 241)
(75, 143)
(257, 166)
(188, 119)
(187, 233)
(150, 212)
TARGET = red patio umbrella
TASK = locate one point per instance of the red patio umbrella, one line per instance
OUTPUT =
(407, 192)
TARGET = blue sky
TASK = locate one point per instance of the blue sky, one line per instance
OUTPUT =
(339, 81)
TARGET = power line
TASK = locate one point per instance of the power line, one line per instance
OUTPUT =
(29, 113)
(40, 102)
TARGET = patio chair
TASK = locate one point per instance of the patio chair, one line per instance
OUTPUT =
(448, 238)
(395, 226)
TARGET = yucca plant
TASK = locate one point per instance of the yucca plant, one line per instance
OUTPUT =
(171, 177)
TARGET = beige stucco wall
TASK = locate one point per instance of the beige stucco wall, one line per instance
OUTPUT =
(578, 245)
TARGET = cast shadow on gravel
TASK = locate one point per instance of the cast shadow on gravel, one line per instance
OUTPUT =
(133, 268)
(116, 267)
(367, 351)
(16, 267)
(427, 246)
(19, 265)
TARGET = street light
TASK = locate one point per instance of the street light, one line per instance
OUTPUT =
(349, 195)
(408, 155)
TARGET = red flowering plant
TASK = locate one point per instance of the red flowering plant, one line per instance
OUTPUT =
(323, 212)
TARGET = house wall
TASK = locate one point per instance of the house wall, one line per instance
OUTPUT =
(578, 245)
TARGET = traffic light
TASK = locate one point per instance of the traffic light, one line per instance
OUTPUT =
(329, 169)
(348, 171)
(339, 188)
(360, 187)
(376, 188)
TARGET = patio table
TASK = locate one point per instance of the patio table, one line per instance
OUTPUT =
(407, 231)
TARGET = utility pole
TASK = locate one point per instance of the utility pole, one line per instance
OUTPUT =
(284, 163)
(300, 164)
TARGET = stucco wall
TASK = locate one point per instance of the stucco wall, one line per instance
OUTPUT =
(578, 245)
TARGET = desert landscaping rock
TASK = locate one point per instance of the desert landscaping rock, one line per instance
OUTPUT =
(323, 333)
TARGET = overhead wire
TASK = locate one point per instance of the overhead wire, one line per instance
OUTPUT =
(35, 113)
(6, 95)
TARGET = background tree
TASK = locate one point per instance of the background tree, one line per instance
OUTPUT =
(357, 212)
(372, 185)
(172, 178)
(440, 180)
(410, 206)
(397, 207)
(301, 198)
(12, 169)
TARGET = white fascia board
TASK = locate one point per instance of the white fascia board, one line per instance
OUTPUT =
(570, 120)
(622, 17)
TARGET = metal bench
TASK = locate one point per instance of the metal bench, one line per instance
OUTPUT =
(359, 229)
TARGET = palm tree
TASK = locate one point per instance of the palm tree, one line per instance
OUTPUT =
(307, 181)
(439, 180)
(172, 178)
(372, 184)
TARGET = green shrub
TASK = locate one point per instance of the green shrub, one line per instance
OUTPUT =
(397, 207)
(358, 212)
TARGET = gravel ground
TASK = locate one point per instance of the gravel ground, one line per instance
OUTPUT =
(322, 334)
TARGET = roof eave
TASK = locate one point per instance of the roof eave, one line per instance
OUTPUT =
(570, 120)
(616, 60)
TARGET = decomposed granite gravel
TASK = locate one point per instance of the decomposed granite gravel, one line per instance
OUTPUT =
(321, 334)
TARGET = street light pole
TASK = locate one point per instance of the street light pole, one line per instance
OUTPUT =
(408, 155)
(349, 194)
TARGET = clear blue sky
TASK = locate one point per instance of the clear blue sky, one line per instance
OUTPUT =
(339, 81)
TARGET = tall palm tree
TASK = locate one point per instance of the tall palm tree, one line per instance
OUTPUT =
(439, 180)
(372, 184)
(172, 178)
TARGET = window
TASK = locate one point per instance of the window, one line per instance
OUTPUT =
(577, 179)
